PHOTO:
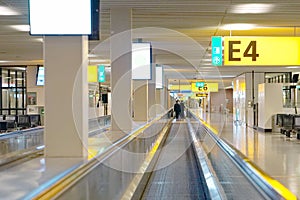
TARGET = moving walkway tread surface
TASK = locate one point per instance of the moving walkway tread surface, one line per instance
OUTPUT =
(234, 183)
(180, 178)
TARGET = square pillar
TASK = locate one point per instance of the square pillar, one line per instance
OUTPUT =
(66, 96)
(140, 100)
(120, 54)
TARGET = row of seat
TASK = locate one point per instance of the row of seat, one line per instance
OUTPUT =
(289, 124)
(12, 122)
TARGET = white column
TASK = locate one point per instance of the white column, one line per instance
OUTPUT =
(140, 100)
(151, 93)
(159, 99)
(120, 52)
(66, 96)
(169, 103)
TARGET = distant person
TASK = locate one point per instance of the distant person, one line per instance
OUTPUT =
(181, 110)
(177, 109)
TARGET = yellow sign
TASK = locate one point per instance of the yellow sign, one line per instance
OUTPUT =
(201, 95)
(208, 87)
(180, 87)
(92, 74)
(262, 51)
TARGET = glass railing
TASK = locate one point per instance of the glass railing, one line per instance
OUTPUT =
(238, 176)
(117, 172)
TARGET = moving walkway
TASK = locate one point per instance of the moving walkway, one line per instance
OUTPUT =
(167, 159)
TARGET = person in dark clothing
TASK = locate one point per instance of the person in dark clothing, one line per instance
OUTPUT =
(177, 109)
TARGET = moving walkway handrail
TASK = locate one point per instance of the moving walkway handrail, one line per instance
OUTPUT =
(66, 180)
(262, 181)
(215, 190)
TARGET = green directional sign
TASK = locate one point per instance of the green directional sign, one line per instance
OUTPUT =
(216, 51)
(101, 73)
(200, 84)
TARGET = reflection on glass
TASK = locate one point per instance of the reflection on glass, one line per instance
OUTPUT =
(19, 78)
(91, 98)
(12, 95)
(5, 112)
(286, 97)
(5, 98)
(13, 87)
(20, 99)
(12, 79)
(5, 78)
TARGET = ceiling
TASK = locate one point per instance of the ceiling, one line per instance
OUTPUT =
(180, 33)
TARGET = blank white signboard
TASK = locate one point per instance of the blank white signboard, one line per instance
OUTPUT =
(159, 77)
(141, 61)
(60, 17)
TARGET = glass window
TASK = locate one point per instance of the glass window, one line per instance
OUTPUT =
(5, 78)
(20, 98)
(13, 112)
(20, 112)
(5, 99)
(13, 96)
(12, 79)
(20, 79)
(4, 112)
(13, 91)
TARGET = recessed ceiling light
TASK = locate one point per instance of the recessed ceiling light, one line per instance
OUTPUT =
(253, 8)
(208, 67)
(92, 55)
(238, 26)
(8, 11)
(24, 28)
(293, 67)
(99, 61)
(39, 39)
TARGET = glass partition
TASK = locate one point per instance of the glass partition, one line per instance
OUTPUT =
(13, 90)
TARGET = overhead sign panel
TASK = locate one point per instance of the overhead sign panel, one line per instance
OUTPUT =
(200, 84)
(101, 73)
(259, 51)
(207, 87)
(141, 61)
(159, 77)
(92, 73)
(60, 17)
(216, 51)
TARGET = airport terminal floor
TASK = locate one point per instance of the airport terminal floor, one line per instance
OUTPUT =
(275, 154)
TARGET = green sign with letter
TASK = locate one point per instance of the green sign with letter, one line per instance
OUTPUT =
(216, 51)
(101, 73)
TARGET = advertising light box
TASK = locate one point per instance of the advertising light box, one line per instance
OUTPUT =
(40, 77)
(60, 17)
(101, 73)
(141, 61)
(92, 74)
(159, 77)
